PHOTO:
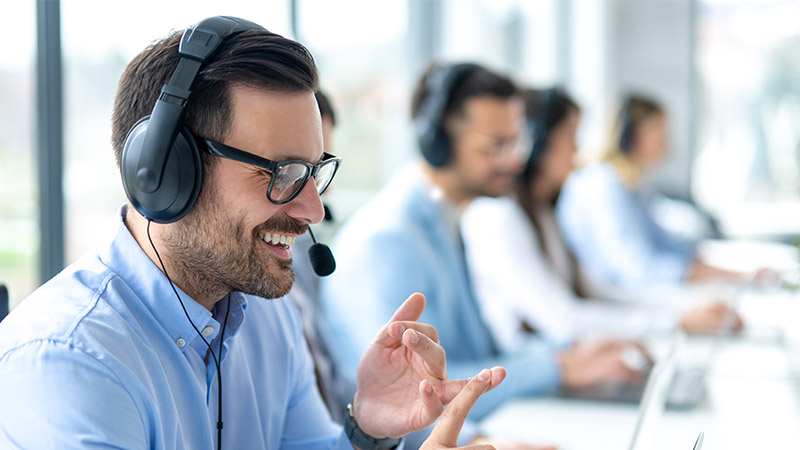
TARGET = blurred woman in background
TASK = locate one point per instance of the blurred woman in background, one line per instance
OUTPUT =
(525, 277)
(605, 218)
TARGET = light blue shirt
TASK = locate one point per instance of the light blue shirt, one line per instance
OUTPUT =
(610, 230)
(406, 240)
(103, 356)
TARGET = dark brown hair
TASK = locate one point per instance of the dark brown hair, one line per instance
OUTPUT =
(254, 58)
(480, 82)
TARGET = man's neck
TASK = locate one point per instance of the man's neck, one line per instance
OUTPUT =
(137, 225)
(449, 184)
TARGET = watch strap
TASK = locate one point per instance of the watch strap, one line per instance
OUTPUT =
(362, 440)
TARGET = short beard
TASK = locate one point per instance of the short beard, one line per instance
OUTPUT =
(211, 253)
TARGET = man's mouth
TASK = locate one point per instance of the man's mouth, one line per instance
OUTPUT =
(277, 239)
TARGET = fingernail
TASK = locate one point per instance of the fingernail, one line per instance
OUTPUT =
(413, 338)
(397, 329)
(484, 375)
(428, 389)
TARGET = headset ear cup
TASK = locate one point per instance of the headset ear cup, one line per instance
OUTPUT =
(437, 149)
(181, 183)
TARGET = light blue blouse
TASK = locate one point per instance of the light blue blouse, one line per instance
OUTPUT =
(612, 233)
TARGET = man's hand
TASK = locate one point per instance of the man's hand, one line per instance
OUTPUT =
(445, 433)
(590, 362)
(711, 318)
(402, 383)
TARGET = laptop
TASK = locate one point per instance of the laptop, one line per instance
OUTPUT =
(686, 386)
(654, 398)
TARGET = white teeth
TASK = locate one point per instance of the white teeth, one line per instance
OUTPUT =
(278, 239)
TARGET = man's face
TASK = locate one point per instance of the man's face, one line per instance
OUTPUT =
(488, 148)
(222, 241)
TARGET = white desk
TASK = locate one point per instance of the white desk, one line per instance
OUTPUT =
(752, 401)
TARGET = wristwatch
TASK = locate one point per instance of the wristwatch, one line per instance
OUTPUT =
(362, 440)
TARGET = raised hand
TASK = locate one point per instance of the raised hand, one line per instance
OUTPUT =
(402, 383)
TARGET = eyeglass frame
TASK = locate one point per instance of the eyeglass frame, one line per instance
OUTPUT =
(226, 151)
(521, 146)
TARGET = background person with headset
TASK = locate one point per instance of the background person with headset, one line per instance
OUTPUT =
(473, 139)
(604, 215)
(110, 352)
(525, 278)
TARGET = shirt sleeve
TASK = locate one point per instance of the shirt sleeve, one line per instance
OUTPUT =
(57, 397)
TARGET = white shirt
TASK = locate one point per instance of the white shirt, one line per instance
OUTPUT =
(516, 283)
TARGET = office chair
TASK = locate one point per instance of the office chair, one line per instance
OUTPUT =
(3, 301)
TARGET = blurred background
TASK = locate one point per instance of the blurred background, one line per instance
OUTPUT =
(728, 72)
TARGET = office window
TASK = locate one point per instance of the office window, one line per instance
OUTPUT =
(748, 62)
(18, 188)
(95, 54)
(362, 51)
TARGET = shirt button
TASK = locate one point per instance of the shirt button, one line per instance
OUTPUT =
(181, 342)
(208, 330)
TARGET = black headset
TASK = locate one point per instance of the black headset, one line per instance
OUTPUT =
(626, 128)
(160, 164)
(432, 138)
(540, 123)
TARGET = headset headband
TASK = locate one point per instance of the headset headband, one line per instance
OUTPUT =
(197, 45)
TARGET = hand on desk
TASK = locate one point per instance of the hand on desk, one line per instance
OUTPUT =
(402, 383)
(711, 318)
(589, 362)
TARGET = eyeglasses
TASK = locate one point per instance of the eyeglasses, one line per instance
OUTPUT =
(519, 146)
(287, 177)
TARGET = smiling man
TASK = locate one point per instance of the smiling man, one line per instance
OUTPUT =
(165, 340)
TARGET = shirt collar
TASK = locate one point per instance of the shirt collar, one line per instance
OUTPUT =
(127, 259)
(450, 212)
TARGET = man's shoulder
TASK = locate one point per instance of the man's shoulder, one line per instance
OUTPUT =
(76, 309)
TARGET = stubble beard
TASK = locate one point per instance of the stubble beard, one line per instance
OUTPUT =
(210, 252)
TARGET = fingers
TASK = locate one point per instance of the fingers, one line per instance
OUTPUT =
(428, 330)
(453, 387)
(430, 352)
(446, 431)
(411, 309)
(432, 403)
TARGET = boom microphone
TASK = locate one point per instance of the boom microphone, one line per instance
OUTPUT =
(321, 257)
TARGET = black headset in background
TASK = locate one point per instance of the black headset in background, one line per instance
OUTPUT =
(160, 164)
(540, 124)
(432, 138)
(626, 131)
